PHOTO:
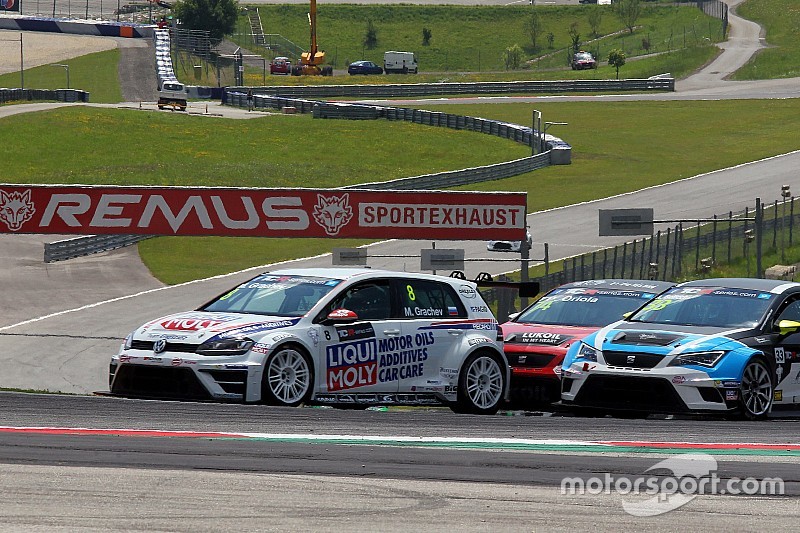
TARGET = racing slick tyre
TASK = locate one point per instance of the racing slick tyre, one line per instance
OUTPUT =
(756, 393)
(288, 378)
(481, 385)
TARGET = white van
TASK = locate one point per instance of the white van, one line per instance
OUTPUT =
(401, 62)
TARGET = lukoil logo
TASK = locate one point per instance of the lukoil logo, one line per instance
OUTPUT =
(671, 484)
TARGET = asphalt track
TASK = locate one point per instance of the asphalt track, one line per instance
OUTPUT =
(325, 469)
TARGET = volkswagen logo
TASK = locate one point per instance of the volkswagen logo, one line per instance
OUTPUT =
(631, 359)
(159, 346)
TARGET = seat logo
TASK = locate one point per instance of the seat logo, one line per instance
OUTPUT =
(631, 359)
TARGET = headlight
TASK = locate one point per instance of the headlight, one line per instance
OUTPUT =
(231, 346)
(708, 359)
(586, 352)
(126, 345)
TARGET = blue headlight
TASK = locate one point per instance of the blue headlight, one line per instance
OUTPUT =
(708, 359)
(587, 353)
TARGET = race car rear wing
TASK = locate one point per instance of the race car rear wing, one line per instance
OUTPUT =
(527, 289)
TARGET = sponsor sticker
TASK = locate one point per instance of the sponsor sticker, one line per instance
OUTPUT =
(678, 380)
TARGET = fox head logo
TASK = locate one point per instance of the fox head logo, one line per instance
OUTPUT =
(16, 208)
(333, 213)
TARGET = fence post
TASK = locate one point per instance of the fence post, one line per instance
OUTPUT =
(624, 258)
(594, 263)
(759, 234)
(546, 259)
(605, 260)
(714, 241)
(775, 225)
(658, 249)
(614, 264)
(675, 249)
(633, 259)
(730, 234)
(697, 249)
(791, 220)
(666, 255)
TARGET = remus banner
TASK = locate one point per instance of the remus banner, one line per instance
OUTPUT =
(335, 213)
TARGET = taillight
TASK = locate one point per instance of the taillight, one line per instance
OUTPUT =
(499, 333)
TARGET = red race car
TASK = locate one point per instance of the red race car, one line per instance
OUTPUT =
(583, 60)
(280, 65)
(538, 337)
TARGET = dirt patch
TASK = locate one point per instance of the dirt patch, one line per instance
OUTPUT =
(39, 48)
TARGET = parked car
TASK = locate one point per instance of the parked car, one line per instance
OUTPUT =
(509, 246)
(583, 60)
(712, 345)
(364, 67)
(280, 65)
(537, 339)
(326, 335)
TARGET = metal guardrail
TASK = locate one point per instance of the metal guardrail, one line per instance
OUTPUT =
(395, 90)
(558, 151)
(58, 95)
(87, 245)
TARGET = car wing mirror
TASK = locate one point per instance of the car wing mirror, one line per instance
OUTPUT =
(787, 327)
(340, 316)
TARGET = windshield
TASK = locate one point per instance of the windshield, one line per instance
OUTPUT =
(583, 56)
(269, 294)
(583, 307)
(707, 306)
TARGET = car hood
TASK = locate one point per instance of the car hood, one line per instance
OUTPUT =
(517, 333)
(199, 326)
(655, 338)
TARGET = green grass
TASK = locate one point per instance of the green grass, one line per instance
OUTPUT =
(617, 147)
(782, 20)
(623, 146)
(129, 147)
(473, 38)
(95, 73)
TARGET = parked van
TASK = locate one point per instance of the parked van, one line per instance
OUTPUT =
(400, 62)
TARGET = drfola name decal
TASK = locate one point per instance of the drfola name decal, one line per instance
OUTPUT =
(261, 212)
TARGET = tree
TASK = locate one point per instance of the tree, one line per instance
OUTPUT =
(616, 58)
(575, 37)
(628, 12)
(595, 18)
(512, 57)
(534, 27)
(426, 36)
(371, 36)
(218, 17)
(550, 39)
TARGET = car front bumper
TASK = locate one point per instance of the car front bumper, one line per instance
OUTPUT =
(659, 390)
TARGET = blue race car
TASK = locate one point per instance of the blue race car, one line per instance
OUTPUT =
(713, 345)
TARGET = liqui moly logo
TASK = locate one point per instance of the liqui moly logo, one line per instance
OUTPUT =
(351, 365)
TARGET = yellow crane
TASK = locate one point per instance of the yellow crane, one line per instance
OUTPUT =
(311, 62)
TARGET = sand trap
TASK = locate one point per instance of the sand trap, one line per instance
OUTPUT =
(41, 48)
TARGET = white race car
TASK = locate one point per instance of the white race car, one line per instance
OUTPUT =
(339, 336)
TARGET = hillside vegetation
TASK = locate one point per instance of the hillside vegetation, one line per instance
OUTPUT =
(473, 38)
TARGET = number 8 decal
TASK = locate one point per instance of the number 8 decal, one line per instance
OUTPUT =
(411, 295)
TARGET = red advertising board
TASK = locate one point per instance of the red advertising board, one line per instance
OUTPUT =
(334, 213)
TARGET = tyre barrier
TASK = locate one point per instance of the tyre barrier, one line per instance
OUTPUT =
(58, 95)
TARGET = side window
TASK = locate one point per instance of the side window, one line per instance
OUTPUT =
(370, 300)
(790, 312)
(429, 299)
